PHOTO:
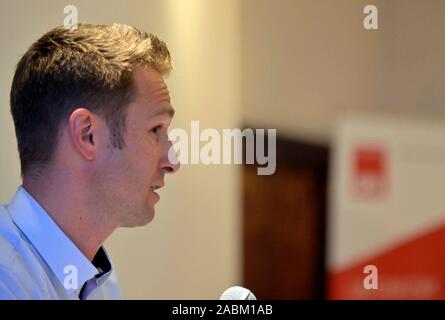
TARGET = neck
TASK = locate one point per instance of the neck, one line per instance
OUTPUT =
(73, 209)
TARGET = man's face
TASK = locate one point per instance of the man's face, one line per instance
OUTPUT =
(130, 175)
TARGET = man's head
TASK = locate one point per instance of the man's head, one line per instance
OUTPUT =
(93, 100)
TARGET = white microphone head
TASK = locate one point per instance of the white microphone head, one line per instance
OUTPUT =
(237, 293)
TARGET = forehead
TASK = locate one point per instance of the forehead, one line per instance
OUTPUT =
(151, 93)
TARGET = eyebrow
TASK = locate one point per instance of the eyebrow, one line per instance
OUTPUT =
(169, 111)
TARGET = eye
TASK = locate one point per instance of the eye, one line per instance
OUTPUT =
(156, 129)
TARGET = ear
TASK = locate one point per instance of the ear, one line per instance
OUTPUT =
(82, 130)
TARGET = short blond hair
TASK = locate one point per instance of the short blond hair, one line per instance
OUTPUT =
(89, 66)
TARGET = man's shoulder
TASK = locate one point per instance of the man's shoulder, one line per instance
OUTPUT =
(10, 240)
(10, 236)
(15, 281)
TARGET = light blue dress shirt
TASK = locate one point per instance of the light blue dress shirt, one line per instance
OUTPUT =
(38, 261)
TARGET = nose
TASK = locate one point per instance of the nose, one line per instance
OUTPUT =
(169, 167)
(170, 163)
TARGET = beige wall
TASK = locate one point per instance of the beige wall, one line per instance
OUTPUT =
(411, 63)
(191, 249)
(306, 63)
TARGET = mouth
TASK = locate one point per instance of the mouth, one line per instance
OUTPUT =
(157, 185)
(154, 188)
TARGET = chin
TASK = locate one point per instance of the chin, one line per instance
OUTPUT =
(141, 219)
(147, 217)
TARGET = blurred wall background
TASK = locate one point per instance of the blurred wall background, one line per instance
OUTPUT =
(307, 63)
(294, 65)
(191, 250)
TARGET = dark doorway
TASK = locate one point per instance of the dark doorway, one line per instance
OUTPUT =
(284, 224)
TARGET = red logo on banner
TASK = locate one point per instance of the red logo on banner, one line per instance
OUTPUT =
(370, 172)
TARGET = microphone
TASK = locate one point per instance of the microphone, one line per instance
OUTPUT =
(237, 293)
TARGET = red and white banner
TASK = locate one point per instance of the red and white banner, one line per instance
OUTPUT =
(386, 223)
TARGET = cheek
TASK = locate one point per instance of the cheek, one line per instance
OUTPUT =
(148, 161)
(151, 166)
(143, 157)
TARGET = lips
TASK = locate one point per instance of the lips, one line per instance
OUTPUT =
(155, 187)
(155, 195)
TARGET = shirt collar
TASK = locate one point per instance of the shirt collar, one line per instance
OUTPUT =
(58, 251)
